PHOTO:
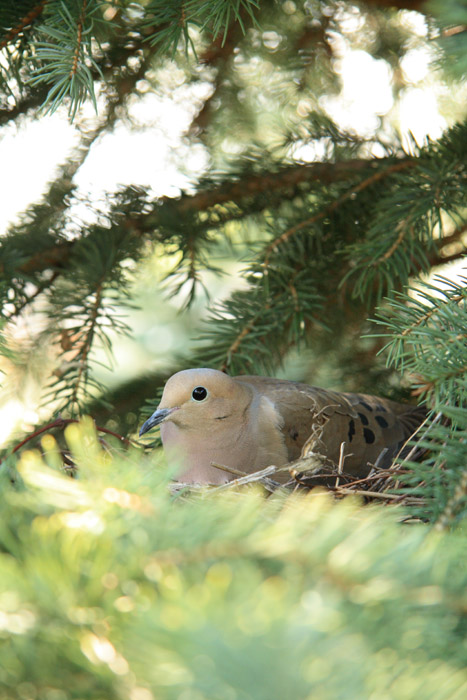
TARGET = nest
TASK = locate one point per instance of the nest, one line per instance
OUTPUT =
(314, 469)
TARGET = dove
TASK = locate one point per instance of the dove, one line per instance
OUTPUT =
(250, 422)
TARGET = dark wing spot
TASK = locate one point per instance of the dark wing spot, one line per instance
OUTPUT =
(363, 418)
(221, 417)
(366, 405)
(382, 421)
(351, 429)
(293, 433)
(368, 435)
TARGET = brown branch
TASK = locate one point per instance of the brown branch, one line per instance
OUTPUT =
(31, 101)
(436, 260)
(272, 247)
(426, 316)
(452, 31)
(236, 343)
(367, 182)
(446, 241)
(287, 178)
(294, 295)
(74, 66)
(452, 237)
(59, 423)
(25, 22)
(367, 494)
(58, 255)
(54, 258)
(62, 423)
(401, 235)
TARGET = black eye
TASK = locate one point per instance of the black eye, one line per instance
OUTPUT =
(199, 393)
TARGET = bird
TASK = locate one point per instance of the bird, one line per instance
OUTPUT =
(247, 423)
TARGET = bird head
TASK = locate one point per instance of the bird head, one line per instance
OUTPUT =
(199, 400)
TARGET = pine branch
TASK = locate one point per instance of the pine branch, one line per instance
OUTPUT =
(64, 57)
(367, 182)
(61, 423)
(218, 55)
(403, 230)
(219, 571)
(242, 332)
(111, 68)
(287, 180)
(74, 67)
(178, 209)
(170, 24)
(23, 23)
(425, 317)
(400, 237)
(452, 507)
(84, 346)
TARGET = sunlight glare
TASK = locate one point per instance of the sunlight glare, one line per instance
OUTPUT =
(366, 92)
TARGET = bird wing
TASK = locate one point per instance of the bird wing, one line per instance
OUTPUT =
(320, 420)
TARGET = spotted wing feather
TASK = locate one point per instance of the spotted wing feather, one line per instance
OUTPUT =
(321, 420)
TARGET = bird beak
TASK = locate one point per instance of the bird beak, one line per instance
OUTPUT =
(156, 418)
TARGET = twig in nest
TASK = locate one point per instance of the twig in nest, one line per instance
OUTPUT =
(312, 462)
(249, 478)
(367, 494)
(340, 466)
(374, 479)
(231, 470)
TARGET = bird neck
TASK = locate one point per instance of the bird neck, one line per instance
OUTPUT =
(247, 442)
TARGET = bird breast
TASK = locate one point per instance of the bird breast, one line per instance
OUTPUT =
(255, 443)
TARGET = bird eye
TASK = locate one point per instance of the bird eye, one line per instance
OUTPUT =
(199, 393)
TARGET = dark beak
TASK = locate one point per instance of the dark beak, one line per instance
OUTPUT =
(156, 418)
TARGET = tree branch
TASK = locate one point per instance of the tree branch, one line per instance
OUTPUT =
(431, 311)
(74, 67)
(87, 343)
(396, 167)
(24, 22)
(288, 178)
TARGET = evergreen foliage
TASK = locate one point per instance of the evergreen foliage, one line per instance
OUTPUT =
(114, 584)
(110, 588)
(324, 241)
(428, 339)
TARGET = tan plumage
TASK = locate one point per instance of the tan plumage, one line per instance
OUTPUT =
(249, 422)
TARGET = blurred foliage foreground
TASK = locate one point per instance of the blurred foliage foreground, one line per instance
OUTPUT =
(110, 587)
